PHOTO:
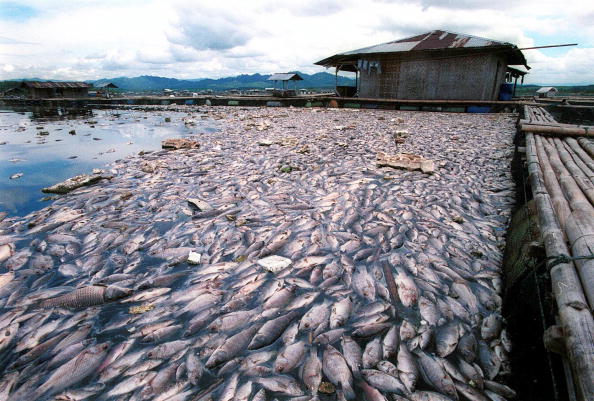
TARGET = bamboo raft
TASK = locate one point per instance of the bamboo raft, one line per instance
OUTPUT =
(561, 175)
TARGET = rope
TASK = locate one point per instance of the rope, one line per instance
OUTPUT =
(560, 259)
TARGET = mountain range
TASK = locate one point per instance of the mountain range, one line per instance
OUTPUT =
(320, 80)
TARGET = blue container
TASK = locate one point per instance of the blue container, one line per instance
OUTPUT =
(478, 109)
(506, 91)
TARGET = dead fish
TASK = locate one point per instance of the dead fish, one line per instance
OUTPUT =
(352, 353)
(232, 346)
(132, 383)
(468, 346)
(7, 335)
(491, 326)
(317, 315)
(271, 330)
(407, 368)
(281, 384)
(372, 353)
(72, 372)
(337, 371)
(289, 357)
(435, 375)
(340, 312)
(371, 393)
(194, 367)
(87, 296)
(446, 339)
(363, 284)
(311, 372)
(370, 330)
(383, 381)
(168, 349)
(6, 251)
(407, 289)
(391, 342)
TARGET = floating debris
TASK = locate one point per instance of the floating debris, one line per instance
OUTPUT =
(274, 263)
(407, 161)
(139, 309)
(179, 143)
(73, 183)
(194, 258)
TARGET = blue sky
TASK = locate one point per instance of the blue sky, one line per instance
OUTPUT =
(89, 39)
(12, 11)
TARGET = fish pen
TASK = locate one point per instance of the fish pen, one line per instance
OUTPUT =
(290, 254)
(560, 167)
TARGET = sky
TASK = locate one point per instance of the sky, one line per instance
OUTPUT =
(92, 39)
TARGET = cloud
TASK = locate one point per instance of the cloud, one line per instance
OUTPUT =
(207, 28)
(10, 41)
(92, 39)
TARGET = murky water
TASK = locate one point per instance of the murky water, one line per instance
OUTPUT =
(50, 145)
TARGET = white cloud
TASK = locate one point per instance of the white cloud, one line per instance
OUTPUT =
(212, 38)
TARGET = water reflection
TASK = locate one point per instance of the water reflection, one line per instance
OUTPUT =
(49, 145)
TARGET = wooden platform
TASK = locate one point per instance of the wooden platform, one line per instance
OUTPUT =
(560, 161)
(322, 100)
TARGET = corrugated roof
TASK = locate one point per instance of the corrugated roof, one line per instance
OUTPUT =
(285, 77)
(44, 85)
(546, 89)
(434, 40)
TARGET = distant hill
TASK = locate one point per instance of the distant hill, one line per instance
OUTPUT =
(319, 80)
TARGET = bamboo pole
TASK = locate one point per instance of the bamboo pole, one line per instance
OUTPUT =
(576, 321)
(560, 204)
(569, 226)
(587, 145)
(573, 193)
(587, 163)
(557, 130)
(580, 232)
(576, 173)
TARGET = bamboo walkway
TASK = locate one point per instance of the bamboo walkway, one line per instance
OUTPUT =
(561, 173)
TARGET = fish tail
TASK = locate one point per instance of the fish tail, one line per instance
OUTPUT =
(347, 390)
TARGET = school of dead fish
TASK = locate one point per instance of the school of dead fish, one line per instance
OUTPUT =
(99, 300)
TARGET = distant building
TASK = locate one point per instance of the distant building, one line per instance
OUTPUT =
(546, 91)
(435, 65)
(103, 89)
(284, 79)
(48, 90)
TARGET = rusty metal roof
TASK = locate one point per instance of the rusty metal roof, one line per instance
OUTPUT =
(45, 85)
(285, 77)
(434, 40)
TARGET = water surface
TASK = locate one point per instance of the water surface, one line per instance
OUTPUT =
(47, 146)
